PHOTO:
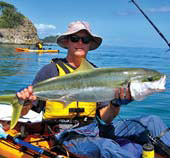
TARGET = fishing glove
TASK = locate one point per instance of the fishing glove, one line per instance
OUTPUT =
(119, 102)
(2, 133)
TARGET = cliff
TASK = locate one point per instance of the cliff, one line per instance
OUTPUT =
(25, 33)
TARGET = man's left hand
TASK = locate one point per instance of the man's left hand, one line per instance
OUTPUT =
(123, 96)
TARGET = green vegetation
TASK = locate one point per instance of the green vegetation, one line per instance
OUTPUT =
(49, 39)
(9, 17)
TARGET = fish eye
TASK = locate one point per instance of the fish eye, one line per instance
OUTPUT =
(150, 78)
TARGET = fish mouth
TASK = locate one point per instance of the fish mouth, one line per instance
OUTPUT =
(139, 90)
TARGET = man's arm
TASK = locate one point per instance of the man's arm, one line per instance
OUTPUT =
(109, 112)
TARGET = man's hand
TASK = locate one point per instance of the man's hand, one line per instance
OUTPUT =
(27, 96)
(122, 96)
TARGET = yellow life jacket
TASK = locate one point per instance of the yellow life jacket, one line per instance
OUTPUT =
(75, 109)
(40, 46)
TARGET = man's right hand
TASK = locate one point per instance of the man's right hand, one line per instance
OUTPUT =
(27, 96)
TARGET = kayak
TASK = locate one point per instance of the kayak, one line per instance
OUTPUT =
(30, 137)
(37, 51)
(30, 146)
(11, 149)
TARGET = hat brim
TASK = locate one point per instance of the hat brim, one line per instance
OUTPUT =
(95, 43)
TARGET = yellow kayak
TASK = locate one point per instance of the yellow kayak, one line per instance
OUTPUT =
(37, 51)
(32, 145)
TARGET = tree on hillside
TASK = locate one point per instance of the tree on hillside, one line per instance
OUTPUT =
(4, 5)
(9, 18)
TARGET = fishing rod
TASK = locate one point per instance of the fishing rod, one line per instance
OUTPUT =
(162, 36)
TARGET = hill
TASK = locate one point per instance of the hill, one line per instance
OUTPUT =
(15, 28)
(49, 39)
(9, 17)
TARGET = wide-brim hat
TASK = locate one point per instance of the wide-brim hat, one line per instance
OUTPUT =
(75, 27)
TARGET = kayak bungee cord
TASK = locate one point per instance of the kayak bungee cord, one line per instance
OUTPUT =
(162, 36)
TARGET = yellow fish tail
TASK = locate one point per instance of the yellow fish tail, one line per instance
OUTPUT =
(13, 100)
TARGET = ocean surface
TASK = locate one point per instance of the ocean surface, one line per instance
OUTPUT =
(17, 70)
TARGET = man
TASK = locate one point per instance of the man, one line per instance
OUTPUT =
(101, 137)
(77, 49)
(39, 45)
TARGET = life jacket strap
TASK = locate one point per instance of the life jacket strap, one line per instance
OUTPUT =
(60, 63)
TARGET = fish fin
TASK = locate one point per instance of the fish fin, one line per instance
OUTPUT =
(17, 108)
(66, 103)
(7, 99)
(12, 99)
(65, 100)
(85, 65)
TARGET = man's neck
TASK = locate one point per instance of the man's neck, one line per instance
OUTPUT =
(74, 61)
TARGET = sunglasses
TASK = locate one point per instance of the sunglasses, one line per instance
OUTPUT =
(85, 40)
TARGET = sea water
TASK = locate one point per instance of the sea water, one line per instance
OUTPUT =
(18, 69)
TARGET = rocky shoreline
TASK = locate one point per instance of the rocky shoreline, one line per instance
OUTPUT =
(23, 34)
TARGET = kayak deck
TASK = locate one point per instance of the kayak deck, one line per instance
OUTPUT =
(10, 149)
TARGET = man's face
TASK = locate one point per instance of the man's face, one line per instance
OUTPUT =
(79, 43)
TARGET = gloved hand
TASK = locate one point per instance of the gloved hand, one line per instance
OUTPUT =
(2, 132)
(122, 96)
(121, 101)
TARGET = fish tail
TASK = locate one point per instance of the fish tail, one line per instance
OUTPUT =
(16, 113)
(16, 106)
(8, 99)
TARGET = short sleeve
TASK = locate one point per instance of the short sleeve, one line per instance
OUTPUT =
(46, 72)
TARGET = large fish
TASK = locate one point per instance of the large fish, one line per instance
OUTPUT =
(89, 84)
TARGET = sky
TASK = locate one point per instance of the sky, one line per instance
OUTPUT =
(118, 22)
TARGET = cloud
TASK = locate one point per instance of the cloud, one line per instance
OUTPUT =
(45, 27)
(126, 13)
(121, 13)
(45, 30)
(162, 9)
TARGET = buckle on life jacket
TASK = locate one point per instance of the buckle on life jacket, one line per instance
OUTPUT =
(77, 110)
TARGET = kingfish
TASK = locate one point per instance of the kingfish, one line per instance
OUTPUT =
(89, 84)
